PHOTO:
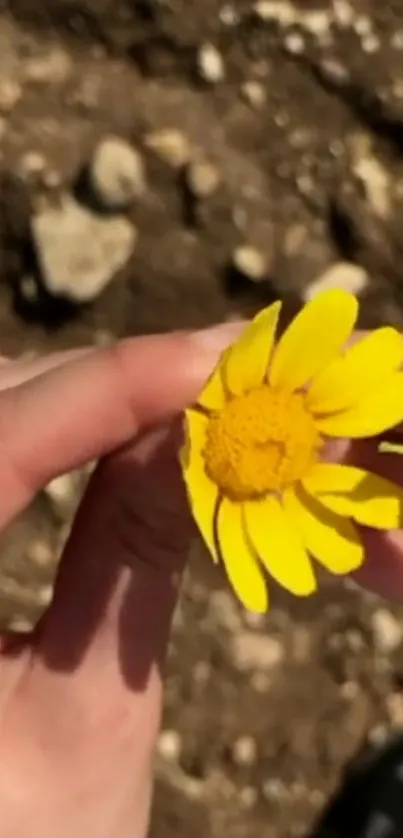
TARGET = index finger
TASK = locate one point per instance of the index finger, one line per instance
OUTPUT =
(86, 408)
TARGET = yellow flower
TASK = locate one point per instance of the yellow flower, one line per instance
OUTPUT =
(256, 464)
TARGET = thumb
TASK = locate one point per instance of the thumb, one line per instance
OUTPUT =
(109, 622)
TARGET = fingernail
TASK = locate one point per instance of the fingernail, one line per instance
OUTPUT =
(218, 337)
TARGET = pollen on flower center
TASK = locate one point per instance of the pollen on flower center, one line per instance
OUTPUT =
(260, 442)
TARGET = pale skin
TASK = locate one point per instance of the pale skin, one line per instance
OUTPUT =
(80, 700)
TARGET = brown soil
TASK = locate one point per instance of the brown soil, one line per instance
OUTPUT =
(261, 716)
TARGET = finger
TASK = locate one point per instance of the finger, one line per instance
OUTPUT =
(16, 372)
(382, 571)
(96, 660)
(84, 408)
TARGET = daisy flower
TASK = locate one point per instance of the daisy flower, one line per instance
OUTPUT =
(256, 461)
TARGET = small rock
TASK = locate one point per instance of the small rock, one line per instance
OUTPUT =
(210, 64)
(371, 44)
(170, 145)
(10, 94)
(224, 610)
(117, 174)
(41, 553)
(45, 595)
(254, 621)
(21, 625)
(345, 275)
(244, 751)
(62, 490)
(387, 631)
(295, 238)
(256, 651)
(103, 337)
(202, 178)
(343, 13)
(169, 745)
(316, 21)
(394, 706)
(378, 735)
(229, 15)
(397, 40)
(250, 262)
(274, 789)
(376, 181)
(277, 11)
(317, 798)
(32, 165)
(362, 25)
(54, 67)
(28, 289)
(52, 180)
(350, 690)
(254, 94)
(80, 253)
(202, 672)
(294, 43)
(334, 72)
(248, 796)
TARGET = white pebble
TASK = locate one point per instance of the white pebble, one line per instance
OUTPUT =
(62, 490)
(294, 43)
(363, 25)
(41, 553)
(345, 275)
(32, 164)
(202, 178)
(387, 630)
(21, 625)
(169, 745)
(244, 751)
(45, 595)
(343, 13)
(256, 651)
(317, 21)
(376, 181)
(274, 789)
(371, 44)
(117, 173)
(279, 11)
(10, 94)
(254, 94)
(397, 39)
(250, 262)
(229, 15)
(170, 145)
(54, 67)
(210, 64)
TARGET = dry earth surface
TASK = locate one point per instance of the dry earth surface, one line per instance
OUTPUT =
(205, 157)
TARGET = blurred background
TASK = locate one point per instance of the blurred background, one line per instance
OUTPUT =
(172, 163)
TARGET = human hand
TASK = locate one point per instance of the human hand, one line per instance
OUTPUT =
(80, 700)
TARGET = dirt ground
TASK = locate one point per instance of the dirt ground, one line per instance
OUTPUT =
(299, 117)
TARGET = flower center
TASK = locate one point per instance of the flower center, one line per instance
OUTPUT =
(260, 442)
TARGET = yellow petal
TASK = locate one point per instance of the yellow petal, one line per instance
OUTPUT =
(373, 415)
(213, 395)
(244, 573)
(356, 493)
(279, 546)
(313, 339)
(202, 492)
(246, 364)
(364, 366)
(334, 541)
